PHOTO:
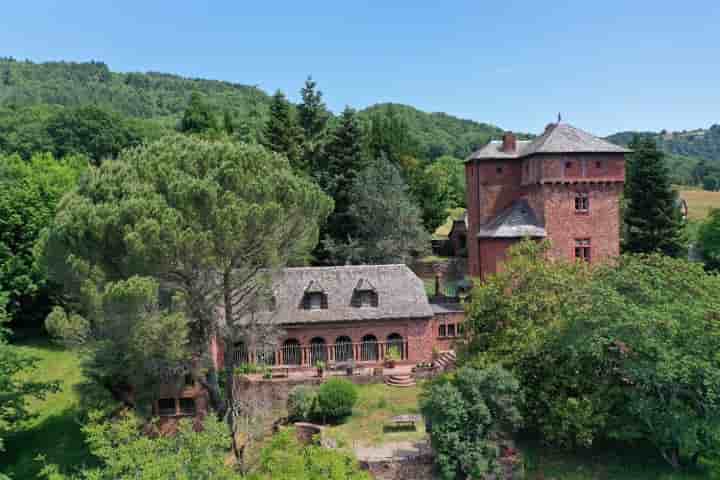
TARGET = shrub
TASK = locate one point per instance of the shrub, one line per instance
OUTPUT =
(336, 399)
(468, 414)
(302, 403)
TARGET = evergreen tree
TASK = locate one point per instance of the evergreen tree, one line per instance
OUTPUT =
(343, 160)
(282, 134)
(652, 220)
(313, 118)
(228, 122)
(198, 116)
(389, 226)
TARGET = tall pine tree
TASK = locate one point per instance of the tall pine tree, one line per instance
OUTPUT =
(342, 161)
(313, 118)
(282, 134)
(652, 220)
(198, 116)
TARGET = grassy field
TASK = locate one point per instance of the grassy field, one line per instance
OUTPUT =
(700, 202)
(376, 405)
(55, 432)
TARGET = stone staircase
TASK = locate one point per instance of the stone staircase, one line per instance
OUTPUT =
(401, 380)
(446, 360)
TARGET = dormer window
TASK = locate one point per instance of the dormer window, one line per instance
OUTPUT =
(315, 301)
(365, 295)
(315, 297)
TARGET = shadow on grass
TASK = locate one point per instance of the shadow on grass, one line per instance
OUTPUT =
(57, 437)
(615, 461)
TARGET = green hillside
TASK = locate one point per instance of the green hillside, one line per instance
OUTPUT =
(686, 150)
(144, 95)
(36, 91)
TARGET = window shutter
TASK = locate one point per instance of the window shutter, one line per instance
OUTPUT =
(306, 301)
(374, 299)
(356, 300)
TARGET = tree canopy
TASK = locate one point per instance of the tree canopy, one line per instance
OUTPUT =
(203, 219)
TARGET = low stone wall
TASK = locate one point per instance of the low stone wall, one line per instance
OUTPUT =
(274, 392)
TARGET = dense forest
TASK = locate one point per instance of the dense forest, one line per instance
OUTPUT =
(693, 155)
(37, 91)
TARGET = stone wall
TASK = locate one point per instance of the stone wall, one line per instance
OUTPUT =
(415, 468)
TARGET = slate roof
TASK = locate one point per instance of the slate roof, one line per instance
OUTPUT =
(557, 138)
(517, 221)
(401, 294)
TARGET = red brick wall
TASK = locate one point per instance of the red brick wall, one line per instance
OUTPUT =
(549, 182)
(601, 224)
(457, 318)
(415, 331)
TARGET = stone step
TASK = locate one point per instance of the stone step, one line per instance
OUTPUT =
(400, 380)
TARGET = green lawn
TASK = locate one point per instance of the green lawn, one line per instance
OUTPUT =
(376, 405)
(55, 433)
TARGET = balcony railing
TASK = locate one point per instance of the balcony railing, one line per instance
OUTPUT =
(308, 355)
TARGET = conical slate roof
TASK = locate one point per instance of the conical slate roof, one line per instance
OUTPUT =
(518, 221)
(557, 138)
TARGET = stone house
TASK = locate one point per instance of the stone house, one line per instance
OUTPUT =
(351, 314)
(563, 185)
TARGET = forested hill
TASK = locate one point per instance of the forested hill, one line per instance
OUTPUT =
(693, 155)
(35, 90)
(700, 143)
(144, 95)
(439, 133)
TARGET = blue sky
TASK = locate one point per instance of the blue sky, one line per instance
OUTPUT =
(606, 65)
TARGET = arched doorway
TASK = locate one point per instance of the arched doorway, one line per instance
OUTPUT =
(398, 342)
(343, 349)
(369, 348)
(318, 350)
(291, 352)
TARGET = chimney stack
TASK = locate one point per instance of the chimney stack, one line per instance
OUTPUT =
(509, 142)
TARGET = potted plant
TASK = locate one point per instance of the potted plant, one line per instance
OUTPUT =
(320, 365)
(392, 356)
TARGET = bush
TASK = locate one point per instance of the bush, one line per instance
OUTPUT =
(302, 403)
(468, 414)
(336, 399)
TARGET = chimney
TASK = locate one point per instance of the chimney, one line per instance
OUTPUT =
(509, 142)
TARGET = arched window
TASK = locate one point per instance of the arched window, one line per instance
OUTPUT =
(369, 348)
(318, 350)
(395, 340)
(343, 349)
(291, 352)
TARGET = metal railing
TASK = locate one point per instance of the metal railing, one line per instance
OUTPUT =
(308, 355)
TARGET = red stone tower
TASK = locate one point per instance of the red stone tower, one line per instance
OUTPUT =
(564, 185)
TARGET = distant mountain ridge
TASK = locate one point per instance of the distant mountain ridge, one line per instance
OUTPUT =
(163, 97)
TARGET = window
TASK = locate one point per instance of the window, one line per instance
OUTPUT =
(167, 407)
(598, 164)
(315, 301)
(582, 203)
(187, 406)
(499, 170)
(568, 164)
(366, 299)
(582, 249)
(451, 330)
(189, 382)
(443, 331)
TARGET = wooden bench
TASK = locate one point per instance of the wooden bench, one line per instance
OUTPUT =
(403, 421)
